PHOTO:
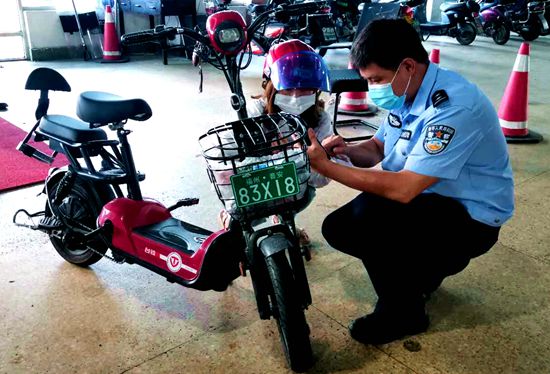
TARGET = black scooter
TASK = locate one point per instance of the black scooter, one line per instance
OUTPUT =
(457, 21)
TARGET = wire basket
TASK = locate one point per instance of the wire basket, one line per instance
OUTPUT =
(258, 166)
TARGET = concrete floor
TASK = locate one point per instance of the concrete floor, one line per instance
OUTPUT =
(57, 318)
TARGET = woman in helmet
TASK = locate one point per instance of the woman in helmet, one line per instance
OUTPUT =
(294, 76)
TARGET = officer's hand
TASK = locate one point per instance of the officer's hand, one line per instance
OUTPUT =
(317, 155)
(335, 145)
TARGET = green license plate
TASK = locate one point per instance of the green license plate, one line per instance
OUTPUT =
(262, 185)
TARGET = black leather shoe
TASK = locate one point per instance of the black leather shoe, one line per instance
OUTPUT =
(383, 327)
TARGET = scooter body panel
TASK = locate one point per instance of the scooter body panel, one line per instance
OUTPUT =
(491, 15)
(126, 214)
(147, 232)
(184, 265)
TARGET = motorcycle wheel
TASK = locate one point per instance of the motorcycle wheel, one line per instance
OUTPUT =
(466, 33)
(501, 34)
(288, 312)
(77, 208)
(529, 34)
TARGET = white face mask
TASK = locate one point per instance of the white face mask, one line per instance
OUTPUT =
(295, 105)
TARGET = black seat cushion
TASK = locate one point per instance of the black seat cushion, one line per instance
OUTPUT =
(103, 108)
(69, 130)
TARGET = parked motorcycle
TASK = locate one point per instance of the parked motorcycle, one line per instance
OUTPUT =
(457, 21)
(259, 167)
(527, 18)
(314, 26)
(492, 22)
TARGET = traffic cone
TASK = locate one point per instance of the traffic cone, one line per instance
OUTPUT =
(512, 112)
(111, 46)
(355, 103)
(434, 56)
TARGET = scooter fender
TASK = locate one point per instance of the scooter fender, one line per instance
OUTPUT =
(544, 24)
(274, 244)
(126, 214)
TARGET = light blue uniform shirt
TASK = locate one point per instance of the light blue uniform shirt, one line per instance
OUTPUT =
(459, 141)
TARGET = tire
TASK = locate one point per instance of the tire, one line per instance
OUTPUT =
(466, 33)
(79, 207)
(529, 34)
(287, 309)
(500, 33)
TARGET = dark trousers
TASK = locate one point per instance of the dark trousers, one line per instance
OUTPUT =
(408, 249)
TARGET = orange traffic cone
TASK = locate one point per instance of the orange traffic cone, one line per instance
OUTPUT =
(355, 103)
(111, 46)
(512, 112)
(434, 56)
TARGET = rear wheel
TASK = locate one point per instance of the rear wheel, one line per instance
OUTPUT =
(79, 208)
(529, 33)
(500, 33)
(466, 33)
(288, 312)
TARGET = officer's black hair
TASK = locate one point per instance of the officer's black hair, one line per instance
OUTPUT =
(387, 42)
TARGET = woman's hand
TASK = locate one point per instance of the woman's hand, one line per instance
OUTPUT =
(335, 145)
(317, 154)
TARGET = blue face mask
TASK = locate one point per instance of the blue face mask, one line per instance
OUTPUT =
(382, 94)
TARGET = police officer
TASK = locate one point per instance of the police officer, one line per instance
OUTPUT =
(444, 189)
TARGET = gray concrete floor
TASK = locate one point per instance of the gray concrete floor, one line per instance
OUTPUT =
(57, 318)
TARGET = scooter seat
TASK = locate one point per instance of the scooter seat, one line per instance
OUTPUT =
(102, 108)
(69, 130)
(452, 6)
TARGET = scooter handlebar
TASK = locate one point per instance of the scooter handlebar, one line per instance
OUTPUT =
(159, 33)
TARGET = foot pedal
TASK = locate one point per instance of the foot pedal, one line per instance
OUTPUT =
(49, 223)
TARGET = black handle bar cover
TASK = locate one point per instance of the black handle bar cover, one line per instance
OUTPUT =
(147, 36)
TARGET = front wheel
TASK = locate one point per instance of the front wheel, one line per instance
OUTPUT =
(79, 209)
(466, 33)
(288, 312)
(500, 33)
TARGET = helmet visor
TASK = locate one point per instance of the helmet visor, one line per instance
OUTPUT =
(300, 70)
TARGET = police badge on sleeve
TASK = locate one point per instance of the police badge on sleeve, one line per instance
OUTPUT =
(437, 138)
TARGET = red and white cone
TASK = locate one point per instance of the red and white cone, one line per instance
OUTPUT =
(355, 103)
(512, 112)
(111, 45)
(434, 56)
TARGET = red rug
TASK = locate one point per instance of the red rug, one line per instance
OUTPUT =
(16, 169)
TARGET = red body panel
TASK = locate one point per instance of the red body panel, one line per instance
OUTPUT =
(185, 266)
(127, 214)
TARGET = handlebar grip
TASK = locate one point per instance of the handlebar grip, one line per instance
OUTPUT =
(147, 36)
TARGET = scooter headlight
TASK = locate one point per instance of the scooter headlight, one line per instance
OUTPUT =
(227, 32)
(229, 35)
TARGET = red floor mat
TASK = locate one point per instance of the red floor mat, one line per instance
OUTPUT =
(16, 169)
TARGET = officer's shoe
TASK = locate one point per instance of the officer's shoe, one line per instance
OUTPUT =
(381, 327)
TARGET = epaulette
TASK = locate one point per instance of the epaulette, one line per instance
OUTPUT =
(439, 97)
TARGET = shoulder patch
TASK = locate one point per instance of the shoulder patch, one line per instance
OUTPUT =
(394, 120)
(437, 138)
(439, 97)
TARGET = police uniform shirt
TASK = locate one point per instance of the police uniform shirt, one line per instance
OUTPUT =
(458, 140)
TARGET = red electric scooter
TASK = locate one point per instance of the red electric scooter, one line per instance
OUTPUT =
(258, 166)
